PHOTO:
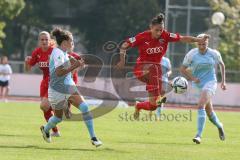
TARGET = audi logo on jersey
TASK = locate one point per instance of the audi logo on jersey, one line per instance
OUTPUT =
(154, 50)
(43, 64)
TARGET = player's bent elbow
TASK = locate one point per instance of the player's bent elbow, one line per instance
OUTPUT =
(222, 65)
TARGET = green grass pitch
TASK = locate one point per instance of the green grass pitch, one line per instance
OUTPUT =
(20, 137)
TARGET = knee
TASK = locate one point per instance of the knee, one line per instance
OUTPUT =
(83, 107)
(44, 106)
(209, 111)
(201, 104)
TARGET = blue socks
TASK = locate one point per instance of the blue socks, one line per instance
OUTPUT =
(52, 122)
(87, 117)
(159, 110)
(214, 119)
(201, 121)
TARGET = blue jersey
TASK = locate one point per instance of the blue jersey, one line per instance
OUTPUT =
(61, 84)
(203, 66)
(166, 67)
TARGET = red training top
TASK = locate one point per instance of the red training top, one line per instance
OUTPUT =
(152, 49)
(75, 72)
(42, 58)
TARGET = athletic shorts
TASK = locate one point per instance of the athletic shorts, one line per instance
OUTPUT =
(59, 100)
(4, 83)
(44, 88)
(210, 87)
(153, 73)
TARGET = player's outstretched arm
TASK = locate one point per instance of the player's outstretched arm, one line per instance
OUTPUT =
(123, 52)
(190, 39)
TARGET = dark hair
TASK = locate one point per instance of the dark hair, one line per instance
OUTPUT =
(61, 35)
(159, 19)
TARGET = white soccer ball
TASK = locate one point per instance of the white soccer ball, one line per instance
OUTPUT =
(218, 18)
(180, 85)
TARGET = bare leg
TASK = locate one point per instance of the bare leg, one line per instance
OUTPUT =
(1, 92)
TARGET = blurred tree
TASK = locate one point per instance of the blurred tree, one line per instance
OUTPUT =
(98, 21)
(23, 30)
(114, 20)
(230, 32)
(9, 10)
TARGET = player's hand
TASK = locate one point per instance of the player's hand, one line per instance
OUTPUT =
(120, 65)
(223, 86)
(27, 67)
(204, 38)
(196, 80)
(75, 62)
(80, 63)
(72, 59)
(28, 58)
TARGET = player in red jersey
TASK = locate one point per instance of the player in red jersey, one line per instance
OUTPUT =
(152, 46)
(41, 56)
(76, 56)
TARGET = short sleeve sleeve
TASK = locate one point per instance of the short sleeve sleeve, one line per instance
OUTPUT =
(135, 41)
(58, 58)
(9, 69)
(218, 57)
(173, 37)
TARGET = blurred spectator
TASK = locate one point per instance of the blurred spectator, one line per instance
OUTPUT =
(5, 72)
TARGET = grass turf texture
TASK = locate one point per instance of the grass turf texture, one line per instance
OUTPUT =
(20, 137)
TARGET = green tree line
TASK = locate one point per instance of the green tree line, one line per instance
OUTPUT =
(96, 22)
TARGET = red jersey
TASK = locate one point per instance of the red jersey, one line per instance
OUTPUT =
(75, 73)
(42, 58)
(152, 49)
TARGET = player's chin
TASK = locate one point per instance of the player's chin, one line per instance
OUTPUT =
(202, 47)
(45, 45)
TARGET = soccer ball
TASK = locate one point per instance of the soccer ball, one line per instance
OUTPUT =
(179, 85)
(218, 18)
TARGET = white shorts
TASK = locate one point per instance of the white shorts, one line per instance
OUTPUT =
(210, 87)
(57, 100)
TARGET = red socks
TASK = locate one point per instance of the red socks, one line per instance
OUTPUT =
(146, 106)
(48, 114)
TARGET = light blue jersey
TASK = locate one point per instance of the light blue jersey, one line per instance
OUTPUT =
(203, 65)
(166, 67)
(60, 84)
